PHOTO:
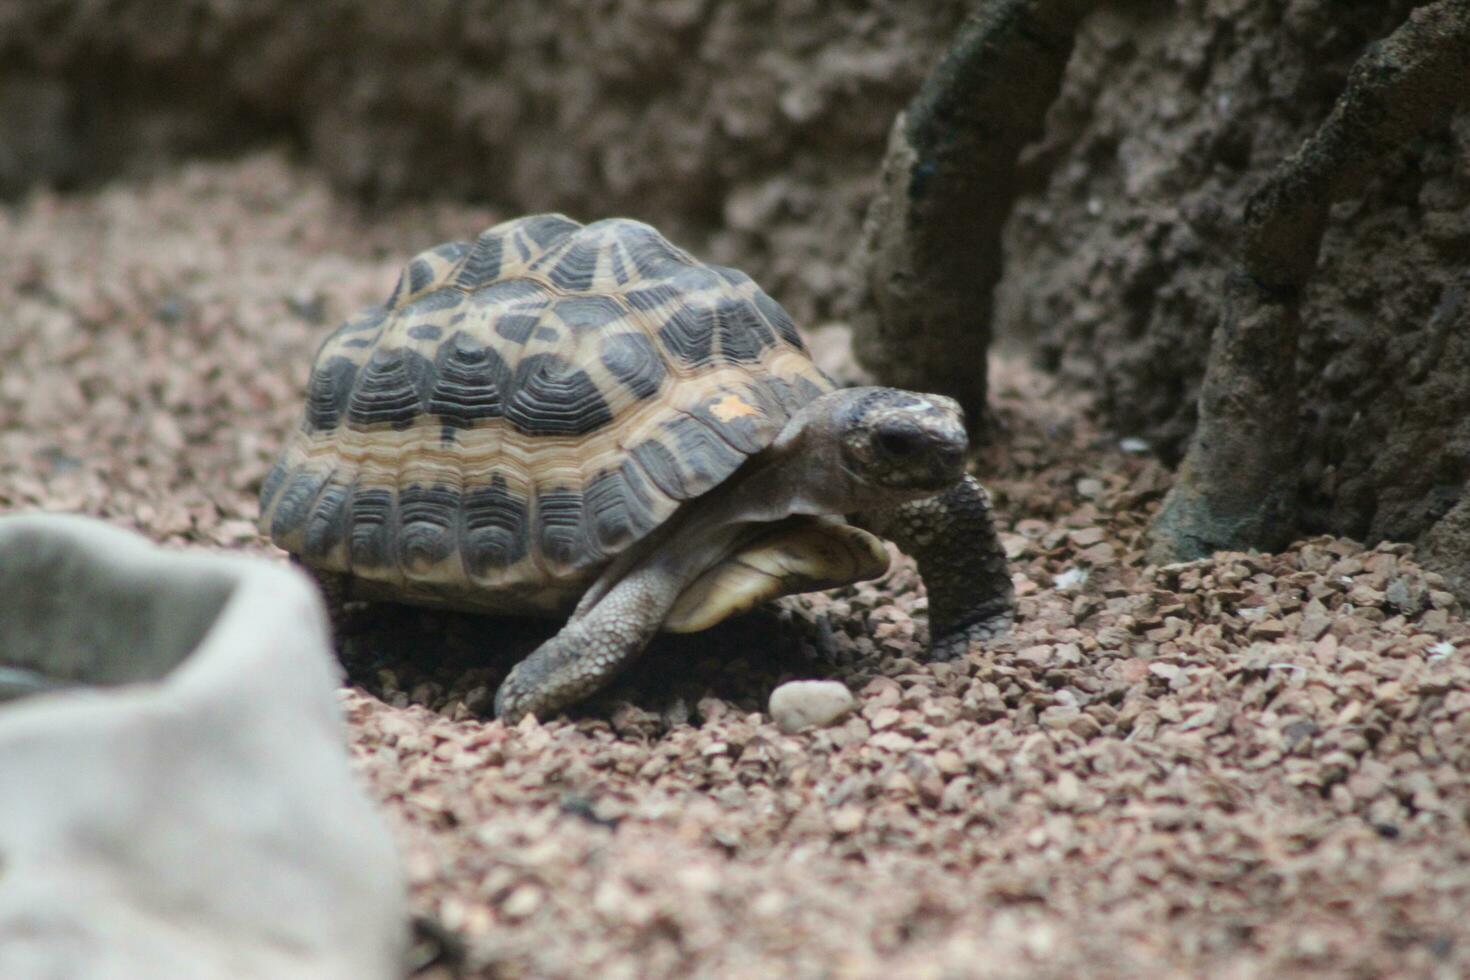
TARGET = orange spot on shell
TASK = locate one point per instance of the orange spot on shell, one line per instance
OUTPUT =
(732, 407)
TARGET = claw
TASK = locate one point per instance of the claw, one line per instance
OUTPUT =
(510, 703)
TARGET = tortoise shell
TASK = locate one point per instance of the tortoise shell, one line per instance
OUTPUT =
(524, 408)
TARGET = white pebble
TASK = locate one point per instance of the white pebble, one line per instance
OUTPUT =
(1069, 578)
(805, 704)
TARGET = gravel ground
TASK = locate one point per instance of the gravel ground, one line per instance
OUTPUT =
(1249, 766)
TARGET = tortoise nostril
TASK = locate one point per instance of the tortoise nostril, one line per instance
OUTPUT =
(951, 458)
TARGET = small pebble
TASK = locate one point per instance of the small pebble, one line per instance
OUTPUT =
(809, 704)
(308, 304)
(1090, 487)
(1069, 578)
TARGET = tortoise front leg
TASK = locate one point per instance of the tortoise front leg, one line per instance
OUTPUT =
(953, 537)
(606, 635)
(585, 655)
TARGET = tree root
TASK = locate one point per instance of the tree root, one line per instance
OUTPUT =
(1237, 486)
(931, 254)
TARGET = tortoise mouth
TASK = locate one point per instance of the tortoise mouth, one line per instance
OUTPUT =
(932, 477)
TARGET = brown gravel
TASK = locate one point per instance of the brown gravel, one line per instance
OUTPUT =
(1254, 765)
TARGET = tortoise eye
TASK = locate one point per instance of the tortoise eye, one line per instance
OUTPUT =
(896, 443)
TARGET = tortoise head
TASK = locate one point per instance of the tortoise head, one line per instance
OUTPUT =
(857, 448)
(901, 441)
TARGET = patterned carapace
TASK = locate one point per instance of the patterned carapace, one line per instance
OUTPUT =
(526, 406)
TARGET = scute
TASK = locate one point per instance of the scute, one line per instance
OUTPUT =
(391, 389)
(619, 509)
(527, 405)
(370, 541)
(428, 519)
(554, 397)
(468, 378)
(327, 525)
(328, 391)
(632, 360)
(494, 522)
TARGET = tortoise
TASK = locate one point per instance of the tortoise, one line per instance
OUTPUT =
(586, 421)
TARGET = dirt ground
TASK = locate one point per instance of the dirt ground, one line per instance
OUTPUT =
(1251, 766)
